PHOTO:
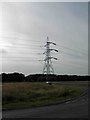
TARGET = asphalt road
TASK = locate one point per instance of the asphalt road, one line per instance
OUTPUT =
(72, 109)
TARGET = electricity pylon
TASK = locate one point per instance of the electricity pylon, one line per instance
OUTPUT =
(48, 67)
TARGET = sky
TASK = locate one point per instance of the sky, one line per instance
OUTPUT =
(23, 33)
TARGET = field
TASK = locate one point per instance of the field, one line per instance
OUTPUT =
(32, 94)
(0, 95)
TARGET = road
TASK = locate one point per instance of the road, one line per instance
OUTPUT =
(72, 109)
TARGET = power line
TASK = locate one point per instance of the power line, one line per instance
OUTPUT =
(20, 54)
(23, 45)
(69, 65)
(23, 50)
(18, 57)
(73, 49)
(39, 41)
(34, 61)
(20, 38)
(24, 53)
(63, 52)
(27, 47)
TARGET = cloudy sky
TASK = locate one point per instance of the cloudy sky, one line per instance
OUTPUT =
(25, 27)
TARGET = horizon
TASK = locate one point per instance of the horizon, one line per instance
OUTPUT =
(44, 74)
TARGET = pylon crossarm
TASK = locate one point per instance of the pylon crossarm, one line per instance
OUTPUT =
(50, 50)
(49, 43)
(54, 50)
(55, 58)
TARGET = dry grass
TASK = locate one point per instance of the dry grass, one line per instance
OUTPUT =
(22, 85)
(33, 94)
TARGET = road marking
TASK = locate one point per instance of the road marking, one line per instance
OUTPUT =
(68, 102)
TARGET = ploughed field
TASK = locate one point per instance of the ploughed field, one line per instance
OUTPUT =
(34, 94)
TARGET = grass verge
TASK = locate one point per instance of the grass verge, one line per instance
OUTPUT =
(27, 95)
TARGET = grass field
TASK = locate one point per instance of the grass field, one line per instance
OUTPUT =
(29, 94)
(0, 96)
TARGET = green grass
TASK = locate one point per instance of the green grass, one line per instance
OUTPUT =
(26, 95)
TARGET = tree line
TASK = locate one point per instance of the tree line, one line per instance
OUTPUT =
(19, 77)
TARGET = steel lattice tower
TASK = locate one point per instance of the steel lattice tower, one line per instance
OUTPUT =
(48, 67)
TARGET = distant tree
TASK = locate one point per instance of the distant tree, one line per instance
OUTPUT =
(19, 77)
(13, 77)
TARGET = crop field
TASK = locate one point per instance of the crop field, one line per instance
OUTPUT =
(33, 94)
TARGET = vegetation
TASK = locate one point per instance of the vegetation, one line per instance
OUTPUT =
(20, 91)
(13, 77)
(19, 77)
(30, 94)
